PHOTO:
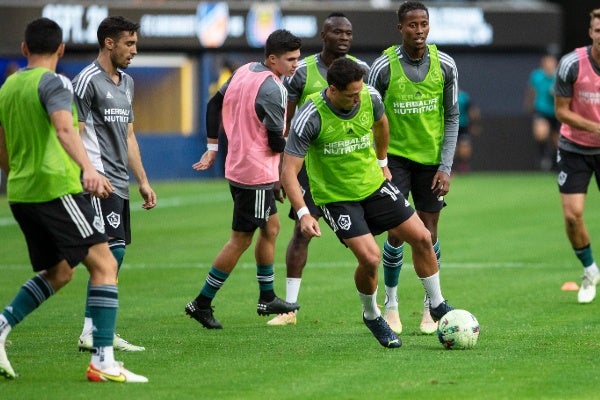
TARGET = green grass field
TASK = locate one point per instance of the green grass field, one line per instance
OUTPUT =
(505, 256)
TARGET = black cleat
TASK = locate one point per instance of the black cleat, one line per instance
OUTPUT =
(382, 332)
(202, 315)
(441, 310)
(275, 306)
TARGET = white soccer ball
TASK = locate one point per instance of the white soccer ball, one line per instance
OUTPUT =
(458, 329)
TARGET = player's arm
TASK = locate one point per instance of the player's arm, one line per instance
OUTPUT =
(71, 142)
(136, 166)
(381, 136)
(381, 132)
(289, 179)
(564, 114)
(213, 122)
(3, 152)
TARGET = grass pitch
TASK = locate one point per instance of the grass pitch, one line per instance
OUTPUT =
(504, 258)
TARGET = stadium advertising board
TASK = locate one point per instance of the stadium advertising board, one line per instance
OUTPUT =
(229, 25)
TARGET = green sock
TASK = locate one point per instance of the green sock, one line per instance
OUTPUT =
(266, 276)
(33, 293)
(104, 302)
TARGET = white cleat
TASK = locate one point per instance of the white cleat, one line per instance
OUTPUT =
(283, 319)
(587, 291)
(428, 325)
(86, 343)
(392, 317)
(6, 370)
(116, 373)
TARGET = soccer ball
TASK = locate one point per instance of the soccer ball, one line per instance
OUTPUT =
(458, 329)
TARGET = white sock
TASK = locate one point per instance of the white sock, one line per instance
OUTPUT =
(591, 269)
(103, 357)
(391, 296)
(4, 328)
(433, 290)
(88, 325)
(292, 288)
(426, 301)
(369, 303)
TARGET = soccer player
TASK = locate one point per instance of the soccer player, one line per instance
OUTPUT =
(419, 87)
(343, 134)
(577, 107)
(43, 156)
(104, 95)
(252, 104)
(311, 77)
(539, 100)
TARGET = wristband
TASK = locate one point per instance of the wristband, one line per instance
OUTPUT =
(212, 146)
(382, 163)
(302, 212)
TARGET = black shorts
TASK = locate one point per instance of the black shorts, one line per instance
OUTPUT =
(552, 121)
(251, 208)
(385, 209)
(61, 229)
(575, 171)
(115, 213)
(307, 195)
(415, 179)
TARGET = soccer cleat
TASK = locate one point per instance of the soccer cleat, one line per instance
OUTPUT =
(86, 343)
(428, 325)
(275, 306)
(202, 315)
(438, 312)
(116, 373)
(123, 345)
(6, 370)
(382, 332)
(587, 292)
(283, 319)
(391, 316)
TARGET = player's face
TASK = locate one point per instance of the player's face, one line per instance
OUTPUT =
(337, 36)
(348, 98)
(594, 33)
(285, 64)
(414, 29)
(124, 49)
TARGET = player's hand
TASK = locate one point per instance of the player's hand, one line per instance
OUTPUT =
(440, 186)
(148, 195)
(278, 192)
(386, 173)
(207, 160)
(92, 182)
(108, 187)
(309, 226)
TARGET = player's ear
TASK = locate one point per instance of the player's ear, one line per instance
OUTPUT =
(24, 49)
(61, 50)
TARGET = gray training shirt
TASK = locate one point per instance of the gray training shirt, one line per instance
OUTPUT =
(106, 109)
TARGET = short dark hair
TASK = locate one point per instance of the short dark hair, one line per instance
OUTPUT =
(409, 6)
(43, 36)
(280, 42)
(344, 71)
(113, 27)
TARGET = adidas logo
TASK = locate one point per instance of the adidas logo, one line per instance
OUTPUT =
(350, 131)
(109, 96)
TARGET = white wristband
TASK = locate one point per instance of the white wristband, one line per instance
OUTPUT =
(212, 146)
(302, 212)
(382, 163)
